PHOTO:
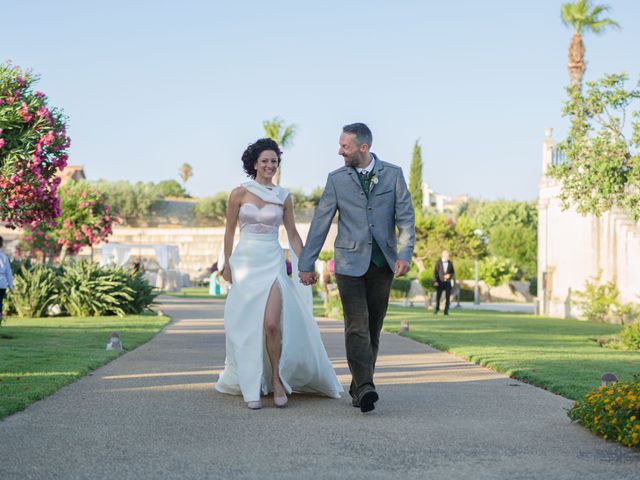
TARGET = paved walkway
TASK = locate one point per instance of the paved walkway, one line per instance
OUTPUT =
(493, 306)
(153, 414)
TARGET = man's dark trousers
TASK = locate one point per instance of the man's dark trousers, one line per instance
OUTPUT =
(446, 288)
(364, 300)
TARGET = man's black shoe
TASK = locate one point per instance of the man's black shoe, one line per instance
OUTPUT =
(368, 400)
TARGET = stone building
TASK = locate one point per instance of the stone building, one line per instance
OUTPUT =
(573, 248)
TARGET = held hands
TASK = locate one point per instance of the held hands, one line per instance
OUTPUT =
(402, 268)
(226, 273)
(308, 278)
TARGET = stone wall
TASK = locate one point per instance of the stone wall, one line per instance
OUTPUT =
(199, 246)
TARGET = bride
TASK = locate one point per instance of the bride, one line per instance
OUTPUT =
(273, 342)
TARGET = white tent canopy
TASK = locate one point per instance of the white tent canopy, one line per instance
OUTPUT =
(166, 277)
(167, 256)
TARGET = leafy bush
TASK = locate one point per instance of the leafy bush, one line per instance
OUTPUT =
(400, 287)
(631, 336)
(325, 255)
(212, 209)
(33, 149)
(143, 294)
(83, 289)
(612, 412)
(597, 302)
(34, 290)
(426, 280)
(132, 201)
(171, 188)
(87, 290)
(333, 304)
(497, 271)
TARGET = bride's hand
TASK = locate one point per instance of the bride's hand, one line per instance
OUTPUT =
(226, 273)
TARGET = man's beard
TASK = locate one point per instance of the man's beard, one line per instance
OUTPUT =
(352, 161)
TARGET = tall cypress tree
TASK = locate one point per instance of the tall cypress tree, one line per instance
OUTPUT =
(415, 178)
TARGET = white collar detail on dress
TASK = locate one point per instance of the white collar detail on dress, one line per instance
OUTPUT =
(276, 195)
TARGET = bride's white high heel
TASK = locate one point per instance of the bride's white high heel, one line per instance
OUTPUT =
(280, 402)
(254, 405)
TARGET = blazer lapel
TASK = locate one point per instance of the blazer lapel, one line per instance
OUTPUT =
(354, 176)
(377, 172)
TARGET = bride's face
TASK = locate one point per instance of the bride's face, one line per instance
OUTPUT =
(266, 165)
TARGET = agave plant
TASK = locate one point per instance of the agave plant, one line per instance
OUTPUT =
(86, 290)
(34, 290)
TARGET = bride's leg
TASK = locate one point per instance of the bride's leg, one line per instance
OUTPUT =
(273, 333)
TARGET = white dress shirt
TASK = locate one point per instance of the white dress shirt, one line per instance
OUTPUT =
(6, 277)
(368, 168)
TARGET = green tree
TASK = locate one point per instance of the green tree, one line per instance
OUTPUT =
(282, 134)
(603, 167)
(512, 229)
(497, 271)
(212, 209)
(171, 188)
(582, 17)
(186, 172)
(435, 233)
(131, 201)
(415, 178)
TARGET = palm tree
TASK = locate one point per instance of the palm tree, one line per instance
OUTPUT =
(583, 17)
(276, 130)
(186, 172)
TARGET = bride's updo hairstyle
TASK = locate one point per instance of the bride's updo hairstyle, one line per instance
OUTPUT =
(253, 151)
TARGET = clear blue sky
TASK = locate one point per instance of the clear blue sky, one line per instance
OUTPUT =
(149, 85)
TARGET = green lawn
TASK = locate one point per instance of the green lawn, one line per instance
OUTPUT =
(197, 292)
(556, 354)
(40, 355)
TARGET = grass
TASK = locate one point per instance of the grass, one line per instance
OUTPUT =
(197, 292)
(40, 355)
(557, 354)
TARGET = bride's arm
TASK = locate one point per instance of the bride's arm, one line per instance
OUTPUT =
(290, 226)
(233, 207)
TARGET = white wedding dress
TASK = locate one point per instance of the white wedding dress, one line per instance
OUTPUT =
(256, 263)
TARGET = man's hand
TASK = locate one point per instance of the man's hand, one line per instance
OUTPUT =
(307, 278)
(402, 268)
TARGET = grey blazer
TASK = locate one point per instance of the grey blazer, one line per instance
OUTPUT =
(360, 218)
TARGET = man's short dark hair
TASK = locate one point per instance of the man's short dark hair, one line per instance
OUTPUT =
(361, 131)
(1, 241)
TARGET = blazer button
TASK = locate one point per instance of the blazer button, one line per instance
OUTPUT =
(370, 208)
(361, 193)
(370, 243)
(371, 225)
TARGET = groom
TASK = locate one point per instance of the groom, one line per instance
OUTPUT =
(372, 199)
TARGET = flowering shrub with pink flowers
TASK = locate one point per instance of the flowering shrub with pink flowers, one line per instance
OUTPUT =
(86, 219)
(33, 148)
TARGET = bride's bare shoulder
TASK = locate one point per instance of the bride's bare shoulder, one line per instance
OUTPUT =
(238, 192)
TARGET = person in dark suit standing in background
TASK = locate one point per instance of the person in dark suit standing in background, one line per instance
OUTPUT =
(444, 279)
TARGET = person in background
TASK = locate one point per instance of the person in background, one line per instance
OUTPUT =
(6, 276)
(443, 279)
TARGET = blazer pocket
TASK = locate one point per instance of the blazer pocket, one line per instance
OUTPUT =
(345, 244)
(384, 193)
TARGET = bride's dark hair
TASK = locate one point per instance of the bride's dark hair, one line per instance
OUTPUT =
(253, 151)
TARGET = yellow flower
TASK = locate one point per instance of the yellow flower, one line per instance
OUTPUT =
(633, 418)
